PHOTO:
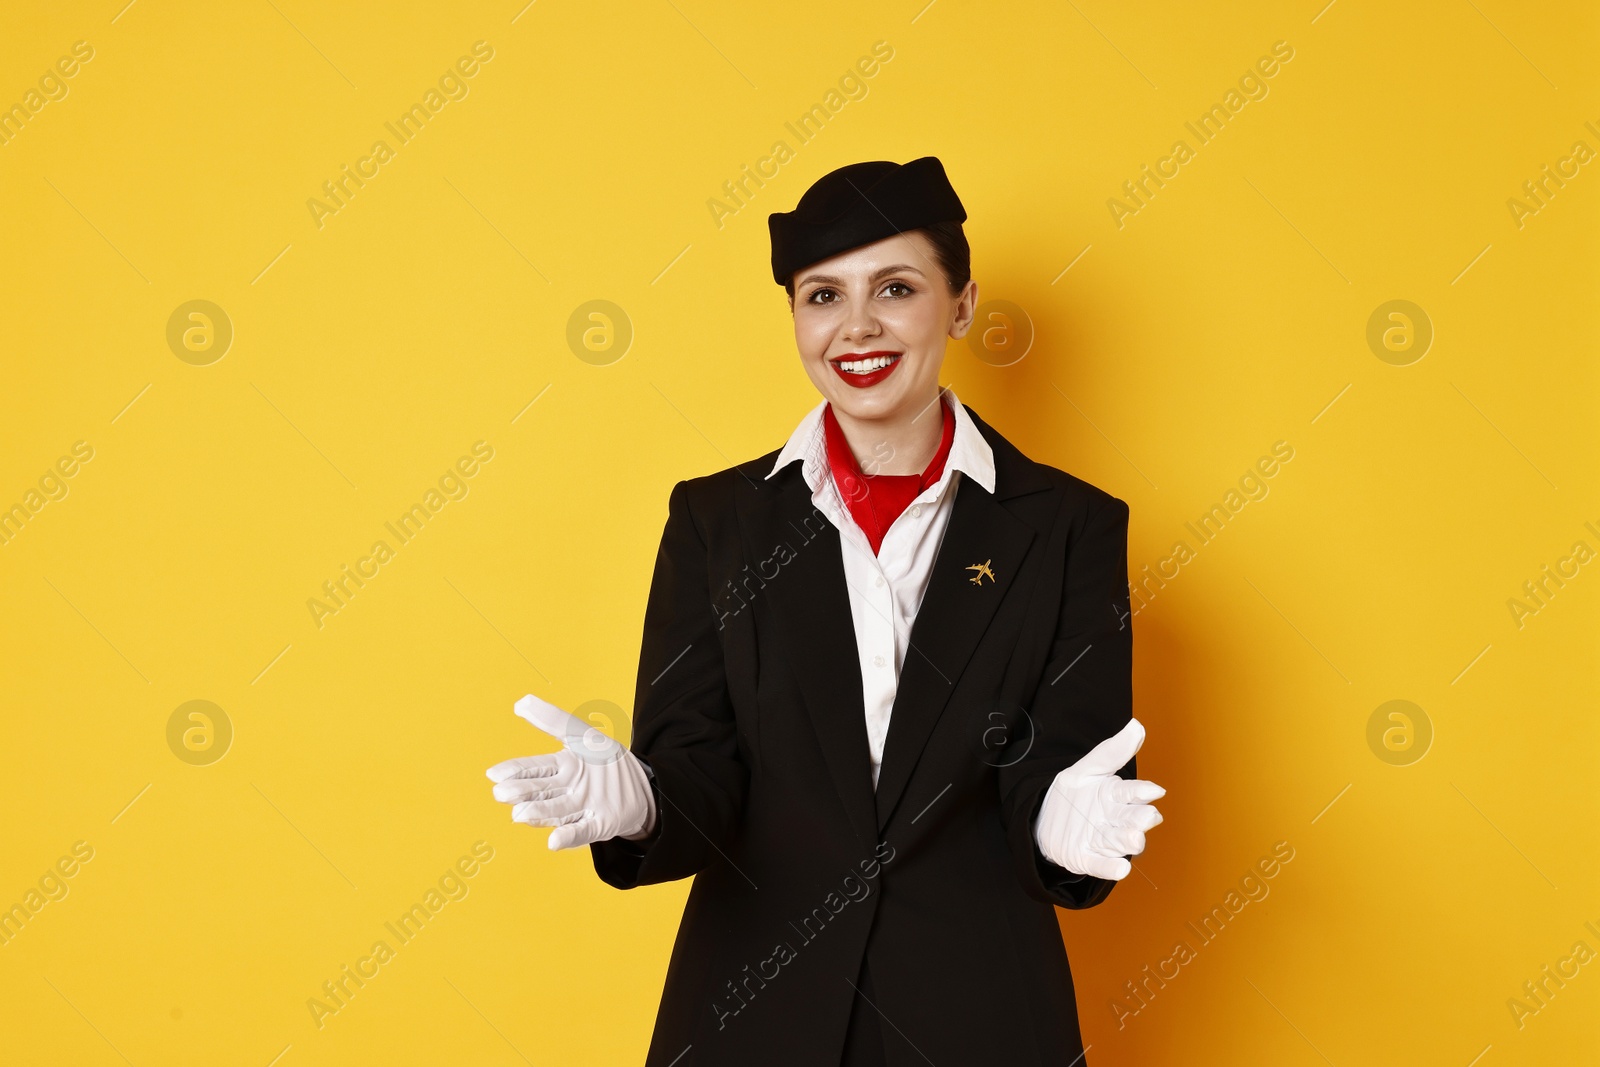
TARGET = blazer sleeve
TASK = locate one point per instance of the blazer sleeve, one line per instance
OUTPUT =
(683, 726)
(1084, 695)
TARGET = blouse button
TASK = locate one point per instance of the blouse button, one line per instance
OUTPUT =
(916, 510)
(878, 581)
(878, 661)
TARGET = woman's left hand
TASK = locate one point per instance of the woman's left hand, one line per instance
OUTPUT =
(1092, 819)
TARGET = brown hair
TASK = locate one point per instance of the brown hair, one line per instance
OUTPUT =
(950, 250)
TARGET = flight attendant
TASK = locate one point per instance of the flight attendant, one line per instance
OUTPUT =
(884, 705)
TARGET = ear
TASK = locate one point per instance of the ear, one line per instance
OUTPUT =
(965, 310)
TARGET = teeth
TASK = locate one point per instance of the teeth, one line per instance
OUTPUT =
(864, 366)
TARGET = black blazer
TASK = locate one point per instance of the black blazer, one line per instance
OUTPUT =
(749, 712)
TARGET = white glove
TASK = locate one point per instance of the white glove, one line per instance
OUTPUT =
(594, 789)
(1091, 818)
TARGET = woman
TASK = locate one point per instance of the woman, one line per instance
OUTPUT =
(884, 693)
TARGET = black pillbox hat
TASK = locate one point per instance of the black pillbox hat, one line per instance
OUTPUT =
(857, 205)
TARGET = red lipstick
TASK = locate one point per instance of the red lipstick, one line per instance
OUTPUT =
(862, 380)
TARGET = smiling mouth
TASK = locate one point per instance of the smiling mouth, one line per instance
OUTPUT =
(866, 363)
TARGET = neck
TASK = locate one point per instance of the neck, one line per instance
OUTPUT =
(908, 440)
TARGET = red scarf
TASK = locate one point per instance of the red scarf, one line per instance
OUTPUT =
(875, 501)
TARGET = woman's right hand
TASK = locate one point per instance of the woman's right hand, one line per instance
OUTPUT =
(594, 789)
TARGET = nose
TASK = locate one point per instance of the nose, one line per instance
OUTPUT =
(859, 323)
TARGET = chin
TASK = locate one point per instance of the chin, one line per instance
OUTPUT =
(870, 407)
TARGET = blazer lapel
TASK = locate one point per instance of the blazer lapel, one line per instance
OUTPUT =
(810, 601)
(955, 613)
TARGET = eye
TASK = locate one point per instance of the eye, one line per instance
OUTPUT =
(817, 293)
(906, 290)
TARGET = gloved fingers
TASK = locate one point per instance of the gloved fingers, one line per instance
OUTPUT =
(1113, 867)
(550, 821)
(1112, 754)
(563, 808)
(585, 741)
(552, 720)
(516, 790)
(524, 767)
(1120, 841)
(582, 832)
(1135, 817)
(1134, 791)
(549, 718)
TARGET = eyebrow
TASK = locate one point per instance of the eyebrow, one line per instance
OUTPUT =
(828, 279)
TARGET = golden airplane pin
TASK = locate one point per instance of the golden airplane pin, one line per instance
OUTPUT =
(982, 569)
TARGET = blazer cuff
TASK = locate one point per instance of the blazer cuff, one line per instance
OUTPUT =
(1044, 880)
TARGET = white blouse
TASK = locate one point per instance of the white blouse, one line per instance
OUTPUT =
(886, 588)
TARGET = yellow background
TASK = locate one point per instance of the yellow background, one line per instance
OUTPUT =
(372, 352)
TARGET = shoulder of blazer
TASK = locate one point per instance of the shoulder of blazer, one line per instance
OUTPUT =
(1078, 497)
(710, 497)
